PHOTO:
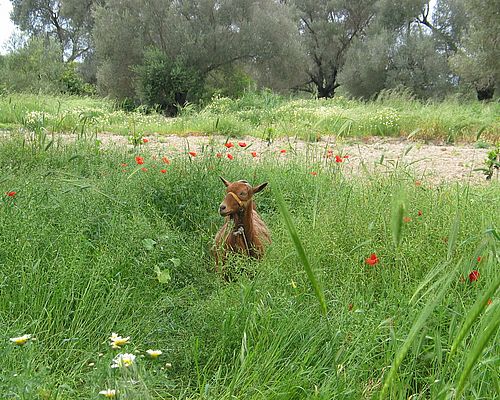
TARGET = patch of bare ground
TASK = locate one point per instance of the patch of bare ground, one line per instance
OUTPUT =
(436, 163)
(432, 162)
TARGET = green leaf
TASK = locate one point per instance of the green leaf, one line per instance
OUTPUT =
(475, 311)
(175, 261)
(478, 347)
(301, 252)
(162, 276)
(149, 244)
(417, 325)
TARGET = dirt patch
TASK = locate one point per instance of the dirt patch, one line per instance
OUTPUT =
(432, 162)
(436, 163)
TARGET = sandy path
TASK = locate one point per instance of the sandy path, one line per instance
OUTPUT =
(432, 162)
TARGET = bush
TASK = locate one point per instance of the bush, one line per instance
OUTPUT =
(72, 81)
(167, 83)
(230, 82)
(35, 67)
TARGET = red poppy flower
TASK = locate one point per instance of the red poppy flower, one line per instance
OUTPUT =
(346, 156)
(372, 260)
(254, 154)
(350, 306)
(11, 194)
(163, 171)
(419, 213)
(228, 145)
(418, 183)
(218, 155)
(123, 164)
(338, 159)
(144, 169)
(474, 276)
(139, 160)
(145, 140)
(229, 156)
(192, 153)
(165, 160)
(490, 301)
(406, 219)
(242, 144)
(282, 151)
(314, 173)
(479, 259)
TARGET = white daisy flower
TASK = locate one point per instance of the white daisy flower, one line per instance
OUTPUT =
(154, 353)
(21, 339)
(123, 360)
(108, 393)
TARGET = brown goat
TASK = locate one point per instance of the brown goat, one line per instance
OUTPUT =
(243, 231)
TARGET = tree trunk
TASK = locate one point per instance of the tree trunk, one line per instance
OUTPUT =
(325, 86)
(486, 93)
(325, 92)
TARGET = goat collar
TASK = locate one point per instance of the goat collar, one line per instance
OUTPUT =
(238, 200)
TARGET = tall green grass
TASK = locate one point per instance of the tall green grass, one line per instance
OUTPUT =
(264, 115)
(84, 237)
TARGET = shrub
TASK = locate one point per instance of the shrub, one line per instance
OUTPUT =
(167, 83)
(231, 82)
(73, 83)
(35, 67)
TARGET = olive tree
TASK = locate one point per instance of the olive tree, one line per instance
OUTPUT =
(206, 35)
(69, 22)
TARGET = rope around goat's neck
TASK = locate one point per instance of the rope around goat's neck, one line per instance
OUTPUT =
(240, 228)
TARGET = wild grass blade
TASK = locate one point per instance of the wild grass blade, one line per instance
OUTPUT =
(480, 131)
(417, 325)
(430, 277)
(452, 236)
(315, 207)
(397, 215)
(473, 314)
(301, 252)
(478, 347)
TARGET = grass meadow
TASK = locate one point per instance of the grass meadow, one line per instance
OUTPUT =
(264, 115)
(92, 244)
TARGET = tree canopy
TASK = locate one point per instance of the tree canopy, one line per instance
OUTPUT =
(167, 52)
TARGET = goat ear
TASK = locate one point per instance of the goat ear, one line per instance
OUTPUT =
(227, 183)
(257, 189)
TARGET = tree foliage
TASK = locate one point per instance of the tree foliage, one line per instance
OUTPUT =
(67, 21)
(478, 59)
(207, 35)
(328, 28)
(314, 45)
(167, 83)
(34, 67)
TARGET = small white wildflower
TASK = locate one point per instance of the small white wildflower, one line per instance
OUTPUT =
(21, 339)
(123, 360)
(117, 341)
(108, 393)
(154, 353)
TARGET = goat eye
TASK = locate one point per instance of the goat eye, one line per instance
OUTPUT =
(243, 194)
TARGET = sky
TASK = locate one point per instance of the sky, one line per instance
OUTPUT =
(6, 25)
